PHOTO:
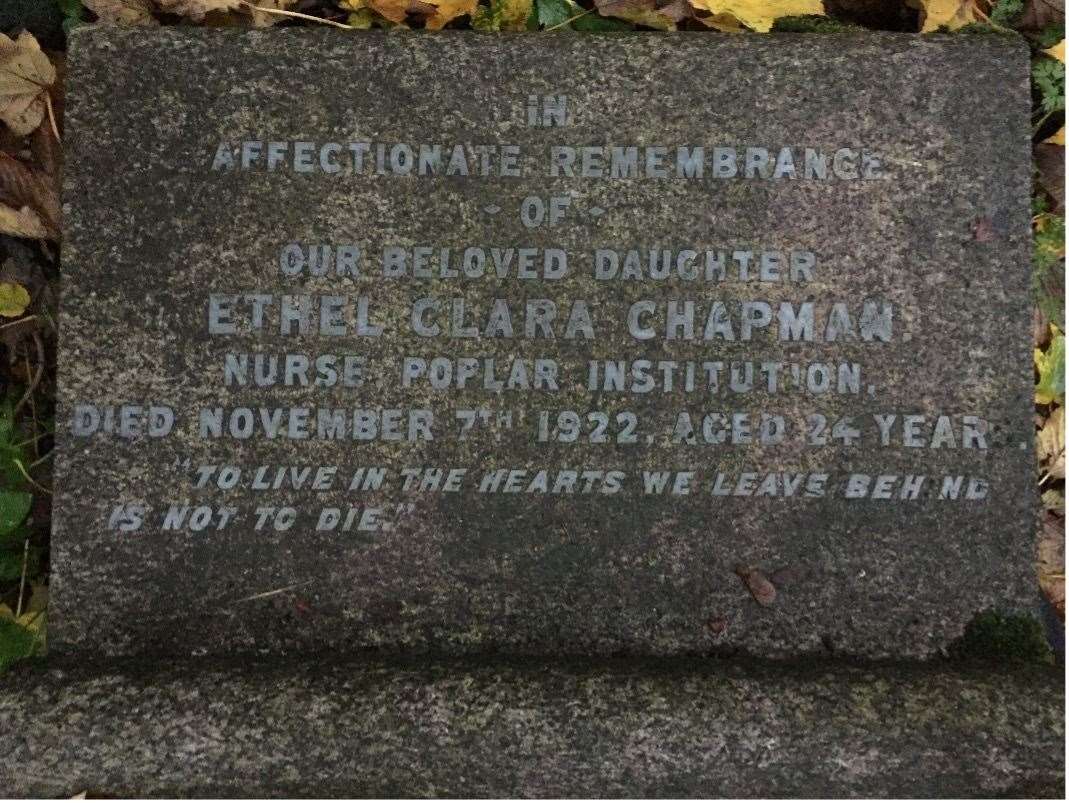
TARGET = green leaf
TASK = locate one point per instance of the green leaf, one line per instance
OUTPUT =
(551, 13)
(10, 450)
(593, 24)
(16, 642)
(14, 507)
(1051, 367)
(1004, 12)
(1049, 77)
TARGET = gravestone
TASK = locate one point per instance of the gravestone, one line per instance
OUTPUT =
(641, 344)
(671, 345)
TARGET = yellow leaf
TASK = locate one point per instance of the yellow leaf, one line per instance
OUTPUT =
(514, 14)
(445, 11)
(758, 15)
(22, 222)
(1057, 52)
(122, 12)
(25, 76)
(392, 10)
(1057, 138)
(724, 23)
(952, 14)
(13, 299)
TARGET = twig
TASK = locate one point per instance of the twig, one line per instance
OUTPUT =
(36, 379)
(300, 16)
(29, 479)
(569, 21)
(22, 582)
(27, 319)
(272, 593)
(52, 117)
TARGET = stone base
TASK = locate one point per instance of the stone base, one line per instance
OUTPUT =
(531, 729)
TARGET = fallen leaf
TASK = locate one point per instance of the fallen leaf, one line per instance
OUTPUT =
(949, 14)
(1050, 444)
(760, 588)
(1057, 138)
(122, 12)
(445, 11)
(196, 9)
(514, 14)
(640, 12)
(262, 19)
(392, 10)
(1039, 14)
(1053, 501)
(1050, 162)
(1057, 51)
(758, 15)
(13, 302)
(22, 185)
(725, 23)
(25, 76)
(22, 222)
(1051, 367)
(1050, 562)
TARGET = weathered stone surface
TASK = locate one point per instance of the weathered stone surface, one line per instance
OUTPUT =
(475, 729)
(937, 234)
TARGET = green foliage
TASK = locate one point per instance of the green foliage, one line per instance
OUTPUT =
(490, 17)
(72, 14)
(994, 636)
(1006, 12)
(1051, 34)
(554, 13)
(1048, 77)
(1051, 366)
(14, 504)
(16, 642)
(1047, 251)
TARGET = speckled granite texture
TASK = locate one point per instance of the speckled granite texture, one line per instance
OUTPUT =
(151, 232)
(486, 728)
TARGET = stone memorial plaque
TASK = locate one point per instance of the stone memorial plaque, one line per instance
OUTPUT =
(573, 344)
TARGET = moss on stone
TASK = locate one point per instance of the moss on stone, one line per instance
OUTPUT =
(1005, 637)
(811, 23)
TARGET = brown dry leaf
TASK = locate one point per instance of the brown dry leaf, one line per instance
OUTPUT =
(445, 11)
(1050, 162)
(1050, 562)
(640, 12)
(25, 76)
(1041, 13)
(263, 19)
(1050, 444)
(22, 222)
(762, 590)
(122, 12)
(196, 9)
(21, 185)
(757, 15)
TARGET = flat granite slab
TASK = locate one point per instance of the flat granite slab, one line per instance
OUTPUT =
(532, 729)
(553, 344)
